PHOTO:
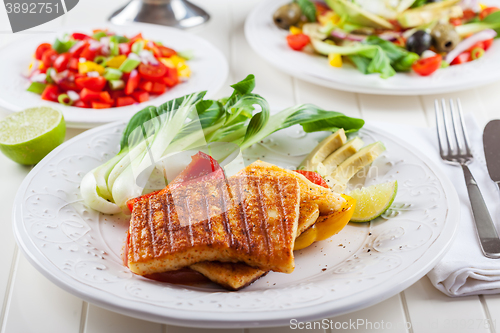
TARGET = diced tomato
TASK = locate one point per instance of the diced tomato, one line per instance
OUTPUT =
(124, 48)
(145, 85)
(81, 104)
(152, 72)
(105, 97)
(100, 105)
(88, 95)
(40, 50)
(68, 83)
(88, 53)
(115, 94)
(61, 62)
(427, 66)
(141, 96)
(171, 78)
(124, 101)
(462, 58)
(314, 177)
(92, 83)
(487, 11)
(77, 50)
(469, 14)
(135, 38)
(161, 51)
(456, 21)
(487, 44)
(158, 88)
(297, 42)
(49, 57)
(50, 93)
(79, 36)
(73, 64)
(132, 83)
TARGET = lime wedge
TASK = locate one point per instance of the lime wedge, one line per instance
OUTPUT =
(373, 201)
(28, 136)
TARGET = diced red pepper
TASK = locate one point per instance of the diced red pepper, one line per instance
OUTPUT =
(105, 97)
(49, 57)
(132, 83)
(141, 96)
(68, 83)
(171, 78)
(158, 88)
(314, 177)
(461, 58)
(81, 104)
(427, 66)
(145, 85)
(297, 42)
(88, 53)
(40, 50)
(92, 83)
(79, 36)
(88, 95)
(50, 93)
(77, 50)
(115, 94)
(73, 64)
(100, 105)
(61, 62)
(135, 38)
(124, 101)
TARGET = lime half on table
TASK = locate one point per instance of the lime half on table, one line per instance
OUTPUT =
(373, 201)
(29, 135)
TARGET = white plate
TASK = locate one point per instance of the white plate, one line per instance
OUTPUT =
(209, 72)
(80, 250)
(269, 42)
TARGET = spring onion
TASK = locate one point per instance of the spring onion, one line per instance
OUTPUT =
(128, 65)
(65, 100)
(37, 87)
(49, 75)
(99, 35)
(62, 46)
(138, 46)
(100, 60)
(116, 84)
(186, 54)
(114, 49)
(112, 74)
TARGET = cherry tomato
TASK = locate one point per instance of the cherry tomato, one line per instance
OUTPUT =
(40, 50)
(132, 83)
(487, 44)
(49, 57)
(68, 83)
(79, 36)
(314, 177)
(171, 78)
(297, 42)
(469, 14)
(61, 62)
(50, 93)
(462, 58)
(124, 101)
(73, 64)
(427, 66)
(152, 72)
(456, 21)
(487, 11)
(77, 50)
(161, 51)
(92, 83)
(88, 54)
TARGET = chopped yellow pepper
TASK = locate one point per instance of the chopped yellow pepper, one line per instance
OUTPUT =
(295, 31)
(177, 62)
(116, 62)
(329, 17)
(89, 66)
(335, 60)
(483, 6)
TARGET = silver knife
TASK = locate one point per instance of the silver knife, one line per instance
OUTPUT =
(491, 141)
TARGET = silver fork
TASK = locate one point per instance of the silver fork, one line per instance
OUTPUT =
(456, 150)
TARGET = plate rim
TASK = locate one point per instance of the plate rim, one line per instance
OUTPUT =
(90, 122)
(252, 319)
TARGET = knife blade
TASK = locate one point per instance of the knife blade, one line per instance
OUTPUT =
(491, 142)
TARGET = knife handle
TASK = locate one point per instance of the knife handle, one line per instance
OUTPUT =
(486, 231)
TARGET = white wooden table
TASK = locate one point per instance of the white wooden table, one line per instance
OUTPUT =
(31, 303)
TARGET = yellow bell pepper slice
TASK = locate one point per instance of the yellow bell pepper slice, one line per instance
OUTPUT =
(89, 66)
(295, 31)
(306, 238)
(335, 60)
(117, 61)
(177, 62)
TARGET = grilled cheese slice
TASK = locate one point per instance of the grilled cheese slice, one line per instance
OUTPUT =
(246, 218)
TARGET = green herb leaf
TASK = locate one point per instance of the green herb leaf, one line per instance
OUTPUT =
(308, 9)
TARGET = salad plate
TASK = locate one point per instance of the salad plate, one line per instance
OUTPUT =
(81, 250)
(269, 42)
(209, 70)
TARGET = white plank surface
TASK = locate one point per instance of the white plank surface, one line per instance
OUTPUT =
(99, 320)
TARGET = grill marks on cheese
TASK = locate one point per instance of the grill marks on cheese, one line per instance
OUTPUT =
(246, 218)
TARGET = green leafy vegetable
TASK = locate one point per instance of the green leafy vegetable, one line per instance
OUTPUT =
(37, 87)
(62, 46)
(186, 122)
(308, 9)
(418, 3)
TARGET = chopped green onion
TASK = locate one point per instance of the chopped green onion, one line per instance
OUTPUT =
(62, 47)
(99, 35)
(49, 77)
(476, 53)
(65, 100)
(159, 43)
(119, 39)
(444, 64)
(37, 87)
(112, 74)
(128, 65)
(138, 46)
(116, 84)
(114, 48)
(100, 60)
(186, 54)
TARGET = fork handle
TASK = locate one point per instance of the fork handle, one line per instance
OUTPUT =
(486, 231)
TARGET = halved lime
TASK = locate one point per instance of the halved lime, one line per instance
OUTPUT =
(373, 201)
(27, 136)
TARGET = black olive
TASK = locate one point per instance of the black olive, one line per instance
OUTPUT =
(419, 42)
(287, 15)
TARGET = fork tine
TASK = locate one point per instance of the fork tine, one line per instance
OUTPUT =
(455, 128)
(446, 127)
(438, 126)
(464, 129)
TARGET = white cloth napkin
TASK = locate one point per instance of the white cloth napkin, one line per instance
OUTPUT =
(463, 270)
